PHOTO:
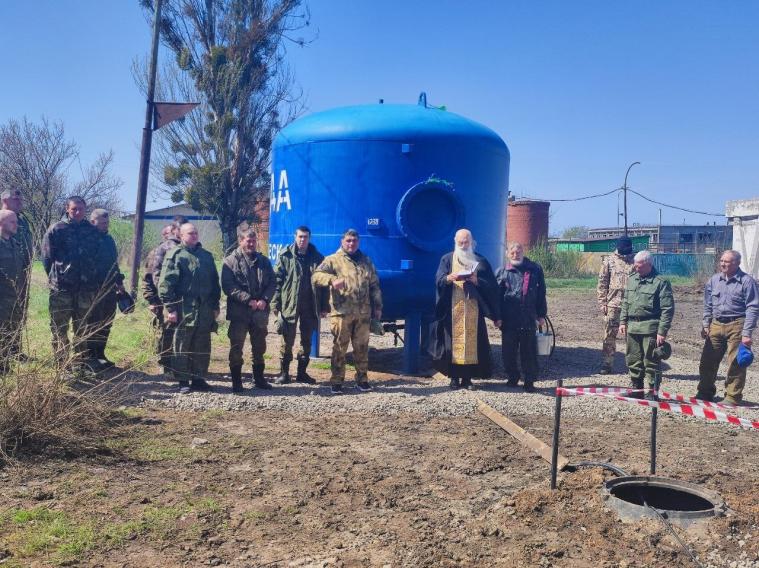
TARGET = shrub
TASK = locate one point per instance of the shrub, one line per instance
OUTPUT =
(559, 264)
(122, 232)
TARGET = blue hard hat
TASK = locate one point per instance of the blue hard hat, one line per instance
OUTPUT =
(745, 356)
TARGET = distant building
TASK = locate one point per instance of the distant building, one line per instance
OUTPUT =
(207, 225)
(527, 221)
(743, 216)
(674, 238)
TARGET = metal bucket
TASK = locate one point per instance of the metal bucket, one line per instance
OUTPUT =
(545, 341)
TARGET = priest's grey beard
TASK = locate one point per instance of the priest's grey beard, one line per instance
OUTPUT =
(465, 257)
(516, 262)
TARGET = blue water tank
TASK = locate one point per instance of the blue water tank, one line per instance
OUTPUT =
(405, 176)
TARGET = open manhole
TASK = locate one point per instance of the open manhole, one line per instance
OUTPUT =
(680, 502)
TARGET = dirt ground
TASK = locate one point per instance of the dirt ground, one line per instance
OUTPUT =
(272, 488)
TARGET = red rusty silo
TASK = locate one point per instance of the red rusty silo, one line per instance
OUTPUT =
(527, 221)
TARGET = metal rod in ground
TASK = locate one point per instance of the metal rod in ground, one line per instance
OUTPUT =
(654, 424)
(556, 426)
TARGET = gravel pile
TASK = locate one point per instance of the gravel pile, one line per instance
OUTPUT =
(575, 363)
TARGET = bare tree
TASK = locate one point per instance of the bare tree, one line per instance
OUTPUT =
(37, 159)
(230, 57)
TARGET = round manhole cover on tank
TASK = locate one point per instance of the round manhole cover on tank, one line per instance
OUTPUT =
(428, 215)
(681, 502)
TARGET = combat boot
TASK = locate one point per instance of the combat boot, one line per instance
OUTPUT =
(236, 373)
(284, 372)
(302, 376)
(258, 377)
(637, 384)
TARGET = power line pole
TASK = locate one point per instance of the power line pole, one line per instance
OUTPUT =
(624, 190)
(147, 141)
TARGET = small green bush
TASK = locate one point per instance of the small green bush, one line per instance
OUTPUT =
(559, 264)
(122, 232)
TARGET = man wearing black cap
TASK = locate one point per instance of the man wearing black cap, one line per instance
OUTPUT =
(612, 279)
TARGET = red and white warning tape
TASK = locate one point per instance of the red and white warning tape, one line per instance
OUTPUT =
(697, 402)
(680, 408)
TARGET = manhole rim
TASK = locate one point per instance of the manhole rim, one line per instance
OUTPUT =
(719, 507)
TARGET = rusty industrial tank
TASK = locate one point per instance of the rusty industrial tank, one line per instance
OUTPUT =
(527, 221)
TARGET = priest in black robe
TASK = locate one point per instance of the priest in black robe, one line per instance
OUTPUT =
(467, 293)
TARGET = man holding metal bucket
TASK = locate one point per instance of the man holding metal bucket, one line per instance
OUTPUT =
(522, 290)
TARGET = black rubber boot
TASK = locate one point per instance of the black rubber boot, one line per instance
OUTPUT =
(466, 383)
(302, 376)
(200, 385)
(637, 385)
(284, 372)
(236, 373)
(529, 386)
(258, 377)
(454, 384)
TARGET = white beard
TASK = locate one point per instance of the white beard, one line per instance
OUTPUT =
(516, 262)
(465, 257)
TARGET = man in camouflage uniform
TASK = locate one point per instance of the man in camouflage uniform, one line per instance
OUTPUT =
(11, 287)
(612, 279)
(355, 297)
(110, 283)
(248, 281)
(189, 290)
(13, 201)
(150, 281)
(646, 316)
(296, 301)
(69, 255)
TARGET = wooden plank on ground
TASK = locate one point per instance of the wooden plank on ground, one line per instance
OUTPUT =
(536, 445)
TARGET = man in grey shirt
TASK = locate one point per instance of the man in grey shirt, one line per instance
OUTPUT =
(731, 309)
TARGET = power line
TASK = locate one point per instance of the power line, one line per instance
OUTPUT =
(639, 195)
(584, 197)
(674, 206)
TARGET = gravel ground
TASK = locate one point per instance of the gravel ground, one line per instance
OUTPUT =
(574, 362)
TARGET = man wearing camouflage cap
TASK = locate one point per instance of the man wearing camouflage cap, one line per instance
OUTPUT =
(612, 279)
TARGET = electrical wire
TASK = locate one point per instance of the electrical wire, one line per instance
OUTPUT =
(582, 198)
(674, 206)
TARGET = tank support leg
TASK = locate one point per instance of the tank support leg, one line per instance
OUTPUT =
(315, 339)
(411, 336)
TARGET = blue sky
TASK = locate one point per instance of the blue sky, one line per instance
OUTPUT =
(578, 90)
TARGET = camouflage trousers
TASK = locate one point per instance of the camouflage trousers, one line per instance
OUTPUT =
(350, 329)
(256, 327)
(164, 339)
(611, 327)
(73, 308)
(192, 352)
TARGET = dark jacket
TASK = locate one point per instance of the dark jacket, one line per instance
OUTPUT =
(244, 279)
(189, 285)
(69, 255)
(289, 274)
(520, 310)
(12, 278)
(107, 262)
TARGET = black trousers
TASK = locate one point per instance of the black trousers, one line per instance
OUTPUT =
(523, 344)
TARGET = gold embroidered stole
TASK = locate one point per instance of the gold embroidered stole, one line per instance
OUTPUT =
(465, 315)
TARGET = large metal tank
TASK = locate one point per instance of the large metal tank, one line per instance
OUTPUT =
(527, 222)
(406, 177)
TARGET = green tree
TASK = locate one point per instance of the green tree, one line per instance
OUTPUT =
(229, 55)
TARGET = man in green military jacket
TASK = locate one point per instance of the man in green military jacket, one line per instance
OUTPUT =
(647, 311)
(13, 201)
(189, 290)
(248, 281)
(298, 302)
(11, 287)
